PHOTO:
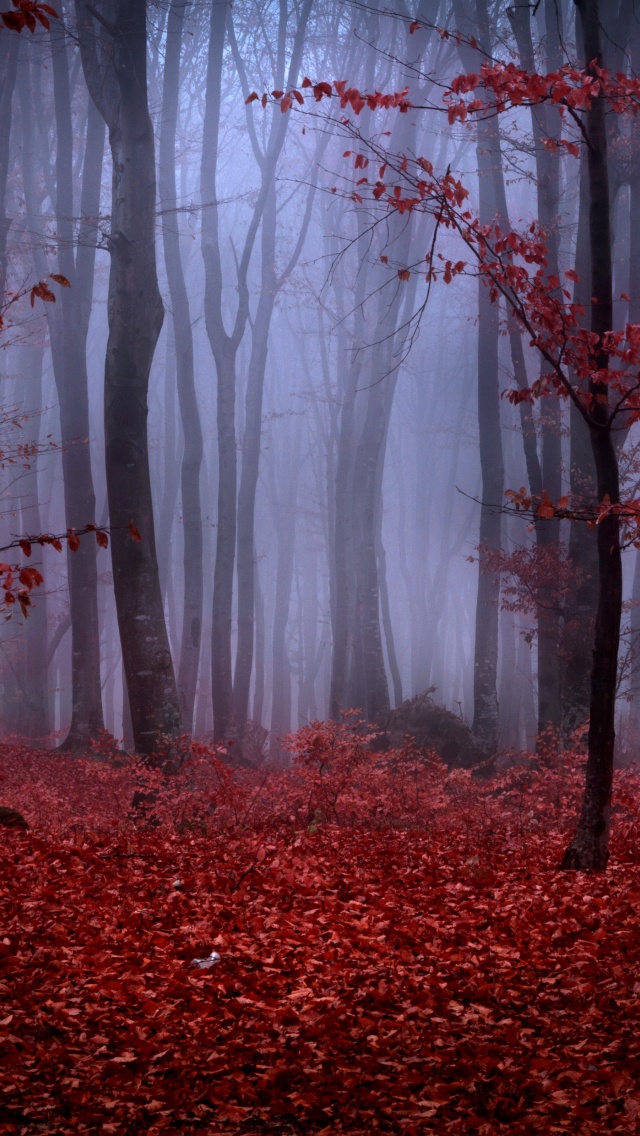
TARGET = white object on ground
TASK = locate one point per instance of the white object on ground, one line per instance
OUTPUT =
(206, 964)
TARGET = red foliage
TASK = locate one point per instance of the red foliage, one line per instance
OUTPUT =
(398, 950)
(25, 14)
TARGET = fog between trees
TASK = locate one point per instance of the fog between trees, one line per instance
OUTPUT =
(326, 451)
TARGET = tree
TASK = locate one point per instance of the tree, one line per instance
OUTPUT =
(225, 345)
(577, 360)
(115, 71)
(182, 325)
(69, 351)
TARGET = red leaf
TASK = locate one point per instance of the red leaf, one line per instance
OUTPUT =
(31, 578)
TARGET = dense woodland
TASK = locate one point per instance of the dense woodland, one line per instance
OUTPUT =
(307, 434)
(320, 528)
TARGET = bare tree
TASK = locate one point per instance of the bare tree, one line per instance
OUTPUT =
(115, 65)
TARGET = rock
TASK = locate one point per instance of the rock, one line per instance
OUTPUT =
(433, 727)
(11, 818)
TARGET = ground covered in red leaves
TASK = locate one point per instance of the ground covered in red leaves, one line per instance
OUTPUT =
(398, 951)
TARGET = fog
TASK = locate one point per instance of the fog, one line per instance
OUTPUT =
(328, 441)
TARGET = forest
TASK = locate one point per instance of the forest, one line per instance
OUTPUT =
(319, 567)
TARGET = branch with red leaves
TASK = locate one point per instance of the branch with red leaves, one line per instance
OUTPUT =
(28, 14)
(39, 291)
(12, 575)
(348, 96)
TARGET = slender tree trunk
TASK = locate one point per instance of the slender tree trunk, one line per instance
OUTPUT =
(251, 465)
(285, 526)
(589, 849)
(547, 531)
(119, 89)
(582, 601)
(224, 348)
(343, 535)
(34, 634)
(70, 370)
(225, 345)
(258, 689)
(485, 666)
(191, 426)
(634, 708)
(9, 46)
(369, 673)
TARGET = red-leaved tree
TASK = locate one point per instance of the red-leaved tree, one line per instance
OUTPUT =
(585, 360)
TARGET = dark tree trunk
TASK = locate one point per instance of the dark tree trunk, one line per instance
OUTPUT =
(191, 427)
(589, 849)
(582, 601)
(485, 664)
(119, 89)
(547, 531)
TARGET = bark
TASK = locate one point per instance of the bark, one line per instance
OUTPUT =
(582, 601)
(387, 623)
(485, 665)
(548, 193)
(32, 644)
(9, 46)
(189, 412)
(589, 849)
(251, 465)
(69, 346)
(284, 509)
(224, 348)
(115, 71)
(258, 689)
(343, 509)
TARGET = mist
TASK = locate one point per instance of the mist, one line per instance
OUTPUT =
(251, 371)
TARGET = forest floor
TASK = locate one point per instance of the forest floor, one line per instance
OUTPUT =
(398, 951)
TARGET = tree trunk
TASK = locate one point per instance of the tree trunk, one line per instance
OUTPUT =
(191, 426)
(547, 531)
(135, 313)
(251, 465)
(582, 601)
(33, 642)
(9, 45)
(284, 502)
(224, 346)
(485, 663)
(70, 370)
(589, 849)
